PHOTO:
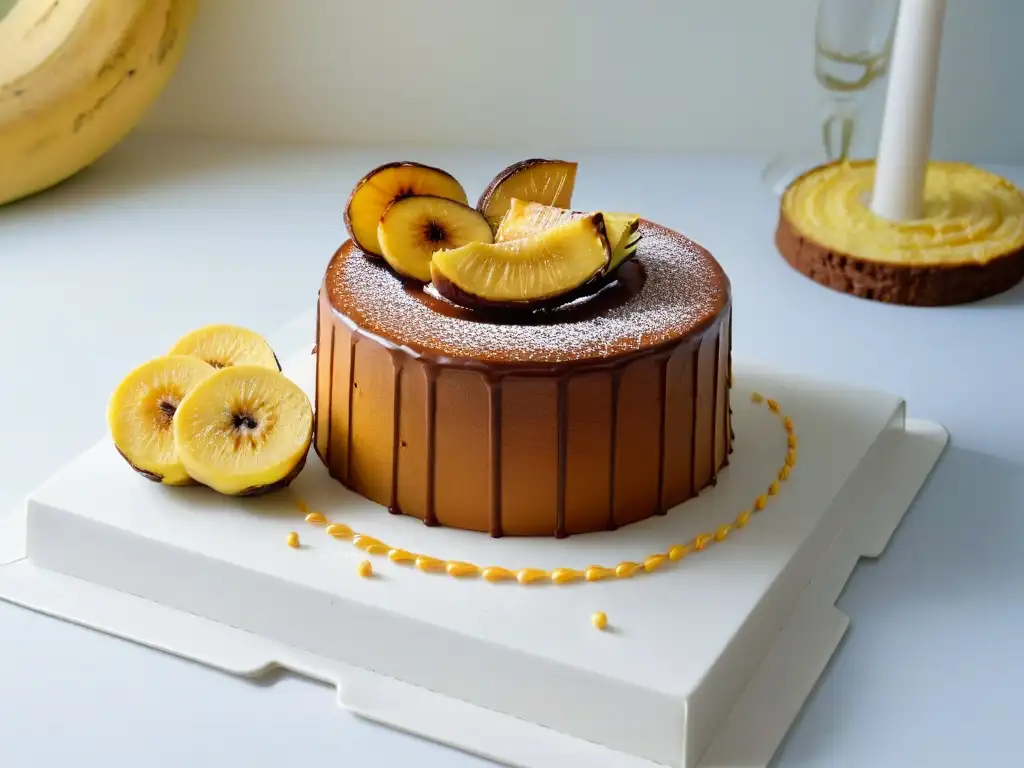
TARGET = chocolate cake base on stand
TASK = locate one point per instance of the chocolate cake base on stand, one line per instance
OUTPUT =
(968, 246)
(707, 656)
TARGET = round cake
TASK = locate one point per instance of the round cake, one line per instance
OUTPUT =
(586, 417)
(968, 245)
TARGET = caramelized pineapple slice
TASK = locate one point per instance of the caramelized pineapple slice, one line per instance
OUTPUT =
(525, 218)
(523, 273)
(549, 182)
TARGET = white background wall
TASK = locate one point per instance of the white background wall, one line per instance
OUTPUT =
(685, 75)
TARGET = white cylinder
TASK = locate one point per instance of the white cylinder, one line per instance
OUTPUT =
(906, 140)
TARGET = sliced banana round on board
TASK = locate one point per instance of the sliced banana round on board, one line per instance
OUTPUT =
(225, 345)
(141, 410)
(244, 431)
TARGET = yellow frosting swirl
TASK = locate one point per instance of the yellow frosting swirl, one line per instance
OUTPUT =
(970, 215)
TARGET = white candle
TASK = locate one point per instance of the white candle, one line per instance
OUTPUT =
(906, 141)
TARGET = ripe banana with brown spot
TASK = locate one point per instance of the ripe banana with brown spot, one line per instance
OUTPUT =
(75, 77)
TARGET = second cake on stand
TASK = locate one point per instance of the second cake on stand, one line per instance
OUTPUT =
(906, 229)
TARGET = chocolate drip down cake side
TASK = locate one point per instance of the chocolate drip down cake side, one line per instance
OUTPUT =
(573, 377)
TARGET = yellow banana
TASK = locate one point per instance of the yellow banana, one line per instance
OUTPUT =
(75, 77)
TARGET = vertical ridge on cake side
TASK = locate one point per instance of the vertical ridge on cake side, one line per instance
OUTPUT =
(583, 419)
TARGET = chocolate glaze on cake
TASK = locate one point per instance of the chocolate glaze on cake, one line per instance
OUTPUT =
(577, 419)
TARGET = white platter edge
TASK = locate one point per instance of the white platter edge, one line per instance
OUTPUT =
(751, 734)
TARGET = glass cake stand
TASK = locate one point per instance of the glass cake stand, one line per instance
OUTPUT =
(853, 41)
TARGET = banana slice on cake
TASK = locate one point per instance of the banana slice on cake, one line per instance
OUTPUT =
(225, 345)
(244, 431)
(141, 412)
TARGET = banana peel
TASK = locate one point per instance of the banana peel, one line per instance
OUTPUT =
(76, 76)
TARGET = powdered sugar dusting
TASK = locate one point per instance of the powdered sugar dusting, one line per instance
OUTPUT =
(685, 289)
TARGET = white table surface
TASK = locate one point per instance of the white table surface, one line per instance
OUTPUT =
(167, 234)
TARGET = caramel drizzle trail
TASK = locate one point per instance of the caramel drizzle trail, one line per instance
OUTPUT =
(729, 435)
(330, 399)
(396, 410)
(494, 435)
(353, 340)
(563, 446)
(430, 514)
(316, 381)
(714, 410)
(616, 383)
(663, 400)
(693, 424)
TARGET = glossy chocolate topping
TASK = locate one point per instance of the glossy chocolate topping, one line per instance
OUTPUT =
(583, 418)
(678, 291)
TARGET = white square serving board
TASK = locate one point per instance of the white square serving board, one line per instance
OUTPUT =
(706, 661)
